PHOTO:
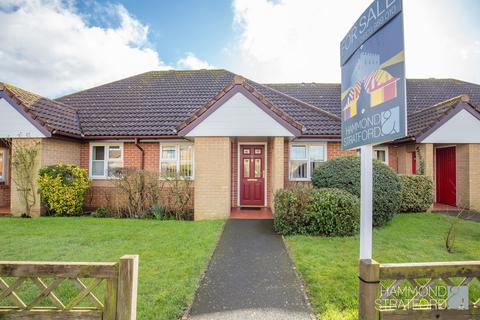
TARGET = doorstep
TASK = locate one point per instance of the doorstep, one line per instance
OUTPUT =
(251, 213)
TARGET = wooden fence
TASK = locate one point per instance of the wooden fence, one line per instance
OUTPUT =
(98, 290)
(417, 290)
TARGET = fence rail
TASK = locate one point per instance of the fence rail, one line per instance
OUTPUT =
(117, 300)
(419, 290)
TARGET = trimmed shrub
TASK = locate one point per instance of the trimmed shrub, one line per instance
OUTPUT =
(344, 173)
(290, 207)
(332, 212)
(62, 188)
(327, 212)
(417, 193)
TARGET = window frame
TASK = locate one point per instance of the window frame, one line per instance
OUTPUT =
(106, 159)
(3, 176)
(385, 149)
(307, 145)
(177, 159)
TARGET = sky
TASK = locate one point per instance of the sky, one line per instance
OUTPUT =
(54, 47)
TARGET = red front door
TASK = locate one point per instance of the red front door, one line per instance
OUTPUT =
(446, 177)
(252, 175)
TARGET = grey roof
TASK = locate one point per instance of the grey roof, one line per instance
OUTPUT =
(156, 103)
(421, 93)
(54, 116)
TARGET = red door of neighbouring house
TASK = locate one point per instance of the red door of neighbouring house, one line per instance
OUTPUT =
(252, 175)
(414, 162)
(446, 176)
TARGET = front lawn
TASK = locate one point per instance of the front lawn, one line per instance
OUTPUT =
(329, 266)
(173, 254)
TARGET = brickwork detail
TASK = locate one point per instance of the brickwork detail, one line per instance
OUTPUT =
(212, 177)
(334, 149)
(277, 167)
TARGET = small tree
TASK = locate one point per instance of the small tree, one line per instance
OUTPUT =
(421, 162)
(139, 189)
(24, 160)
(177, 197)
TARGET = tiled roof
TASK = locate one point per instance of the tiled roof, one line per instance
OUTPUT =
(159, 103)
(419, 122)
(54, 116)
(155, 103)
(422, 94)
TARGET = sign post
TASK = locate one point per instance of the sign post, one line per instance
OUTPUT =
(373, 94)
(366, 202)
(373, 98)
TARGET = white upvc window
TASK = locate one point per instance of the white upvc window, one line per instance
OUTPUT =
(105, 159)
(177, 160)
(304, 158)
(381, 154)
(3, 164)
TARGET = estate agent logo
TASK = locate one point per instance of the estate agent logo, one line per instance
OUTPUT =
(373, 77)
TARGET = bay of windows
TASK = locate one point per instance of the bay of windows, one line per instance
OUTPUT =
(304, 159)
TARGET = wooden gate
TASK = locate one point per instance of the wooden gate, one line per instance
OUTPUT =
(98, 290)
(398, 291)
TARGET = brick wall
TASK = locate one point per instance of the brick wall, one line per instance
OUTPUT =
(103, 193)
(474, 156)
(4, 195)
(17, 206)
(212, 177)
(334, 149)
(462, 155)
(57, 151)
(277, 167)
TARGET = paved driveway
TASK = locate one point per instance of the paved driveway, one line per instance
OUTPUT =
(250, 276)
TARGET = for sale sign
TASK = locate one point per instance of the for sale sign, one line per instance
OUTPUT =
(373, 77)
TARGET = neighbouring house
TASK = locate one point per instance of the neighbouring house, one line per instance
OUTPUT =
(238, 140)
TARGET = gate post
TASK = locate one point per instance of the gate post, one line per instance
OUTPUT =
(368, 288)
(127, 288)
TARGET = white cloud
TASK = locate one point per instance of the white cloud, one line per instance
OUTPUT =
(190, 61)
(49, 48)
(298, 40)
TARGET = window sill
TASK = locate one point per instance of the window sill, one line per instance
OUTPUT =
(301, 180)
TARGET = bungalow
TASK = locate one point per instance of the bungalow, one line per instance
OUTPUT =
(238, 140)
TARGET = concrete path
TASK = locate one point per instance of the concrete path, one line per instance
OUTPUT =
(250, 276)
(466, 215)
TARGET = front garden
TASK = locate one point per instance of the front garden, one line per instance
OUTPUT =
(329, 265)
(173, 254)
(321, 225)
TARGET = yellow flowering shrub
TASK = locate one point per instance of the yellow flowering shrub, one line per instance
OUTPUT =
(62, 188)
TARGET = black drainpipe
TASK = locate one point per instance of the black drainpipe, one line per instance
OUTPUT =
(143, 154)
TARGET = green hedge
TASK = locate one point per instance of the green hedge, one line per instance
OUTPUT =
(326, 212)
(417, 193)
(290, 207)
(344, 173)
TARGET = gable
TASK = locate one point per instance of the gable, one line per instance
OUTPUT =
(463, 127)
(15, 124)
(239, 116)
